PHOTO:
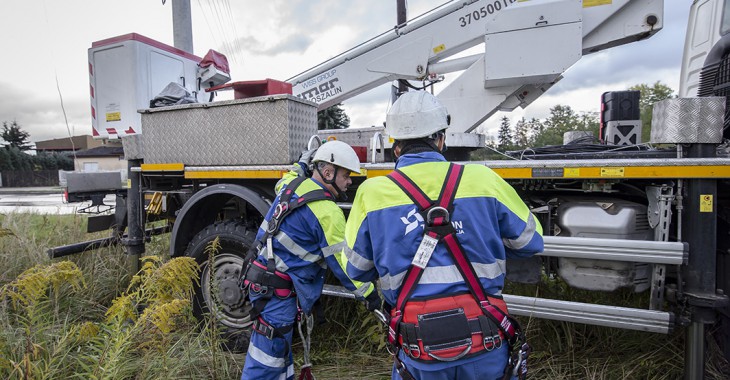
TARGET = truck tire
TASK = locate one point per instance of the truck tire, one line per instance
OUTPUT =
(217, 294)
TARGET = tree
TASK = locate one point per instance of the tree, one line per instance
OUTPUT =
(5, 162)
(536, 128)
(649, 96)
(333, 118)
(562, 119)
(522, 134)
(16, 137)
(590, 122)
(504, 136)
(20, 160)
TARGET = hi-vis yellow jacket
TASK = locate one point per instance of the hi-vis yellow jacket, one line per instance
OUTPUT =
(384, 229)
(310, 239)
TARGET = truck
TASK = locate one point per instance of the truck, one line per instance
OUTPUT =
(652, 220)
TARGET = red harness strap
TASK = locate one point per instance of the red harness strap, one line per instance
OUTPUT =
(265, 279)
(438, 226)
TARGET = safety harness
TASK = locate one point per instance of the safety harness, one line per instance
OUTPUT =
(266, 280)
(447, 327)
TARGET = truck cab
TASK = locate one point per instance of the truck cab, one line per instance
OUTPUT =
(709, 21)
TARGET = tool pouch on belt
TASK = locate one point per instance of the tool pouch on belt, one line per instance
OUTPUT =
(447, 328)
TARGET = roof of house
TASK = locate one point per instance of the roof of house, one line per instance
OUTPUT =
(68, 143)
(101, 151)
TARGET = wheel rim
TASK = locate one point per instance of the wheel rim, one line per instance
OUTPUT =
(221, 293)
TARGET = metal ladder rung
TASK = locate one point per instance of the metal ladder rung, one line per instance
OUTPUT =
(638, 251)
(592, 314)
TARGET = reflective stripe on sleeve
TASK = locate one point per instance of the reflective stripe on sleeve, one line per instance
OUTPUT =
(357, 261)
(444, 275)
(280, 264)
(296, 249)
(360, 292)
(525, 237)
(332, 249)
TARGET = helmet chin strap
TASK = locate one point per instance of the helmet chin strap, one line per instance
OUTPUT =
(341, 196)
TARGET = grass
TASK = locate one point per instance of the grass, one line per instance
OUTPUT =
(88, 317)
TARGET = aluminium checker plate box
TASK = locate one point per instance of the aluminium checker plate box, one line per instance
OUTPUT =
(267, 130)
(688, 120)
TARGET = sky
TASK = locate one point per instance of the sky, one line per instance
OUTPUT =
(44, 85)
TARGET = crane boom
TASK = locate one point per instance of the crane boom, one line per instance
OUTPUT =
(527, 45)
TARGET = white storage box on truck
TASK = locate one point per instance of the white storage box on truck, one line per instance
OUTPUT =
(126, 72)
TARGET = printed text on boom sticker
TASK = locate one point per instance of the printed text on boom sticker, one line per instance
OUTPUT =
(484, 11)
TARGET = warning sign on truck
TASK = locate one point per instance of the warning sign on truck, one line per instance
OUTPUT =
(113, 116)
(706, 203)
(113, 112)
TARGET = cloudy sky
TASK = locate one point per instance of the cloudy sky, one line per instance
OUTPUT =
(45, 42)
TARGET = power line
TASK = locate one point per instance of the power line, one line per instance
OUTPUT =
(236, 40)
(202, 11)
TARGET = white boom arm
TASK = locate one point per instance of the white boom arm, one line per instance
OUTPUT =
(527, 47)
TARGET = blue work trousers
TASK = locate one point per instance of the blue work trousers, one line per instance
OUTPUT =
(267, 359)
(489, 366)
(271, 359)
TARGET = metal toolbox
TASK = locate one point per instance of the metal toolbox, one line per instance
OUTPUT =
(265, 130)
(688, 120)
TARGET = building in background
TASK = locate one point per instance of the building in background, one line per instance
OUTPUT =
(68, 144)
(89, 154)
(100, 159)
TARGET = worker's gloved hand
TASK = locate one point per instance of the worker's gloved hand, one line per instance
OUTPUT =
(373, 301)
(305, 162)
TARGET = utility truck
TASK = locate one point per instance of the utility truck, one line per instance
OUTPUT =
(653, 220)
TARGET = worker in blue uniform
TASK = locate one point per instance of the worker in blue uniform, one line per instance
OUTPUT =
(288, 274)
(437, 235)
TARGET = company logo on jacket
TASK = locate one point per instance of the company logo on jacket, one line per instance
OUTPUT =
(415, 223)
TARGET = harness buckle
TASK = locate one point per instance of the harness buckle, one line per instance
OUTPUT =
(242, 280)
(438, 210)
(498, 340)
(288, 295)
(492, 342)
(392, 349)
(263, 329)
(280, 209)
(258, 289)
(410, 349)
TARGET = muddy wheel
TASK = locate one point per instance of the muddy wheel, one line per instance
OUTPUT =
(218, 294)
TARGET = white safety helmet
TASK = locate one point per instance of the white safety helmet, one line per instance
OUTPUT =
(339, 154)
(414, 115)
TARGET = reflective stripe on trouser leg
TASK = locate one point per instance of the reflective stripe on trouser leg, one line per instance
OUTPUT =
(265, 359)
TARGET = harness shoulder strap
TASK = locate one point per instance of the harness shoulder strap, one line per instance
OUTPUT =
(438, 226)
(426, 206)
(286, 205)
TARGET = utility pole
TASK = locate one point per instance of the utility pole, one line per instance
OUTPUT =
(182, 25)
(402, 17)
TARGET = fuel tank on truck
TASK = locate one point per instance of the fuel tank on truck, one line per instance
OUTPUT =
(606, 219)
